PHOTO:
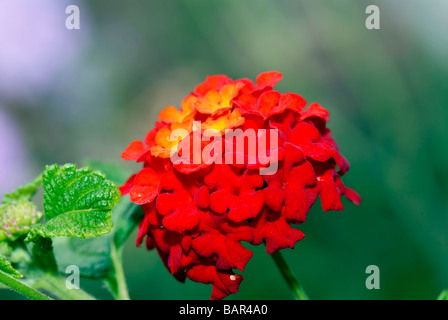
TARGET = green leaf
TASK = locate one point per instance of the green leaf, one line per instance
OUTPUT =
(77, 203)
(25, 192)
(127, 215)
(7, 268)
(43, 256)
(92, 256)
(17, 218)
(78, 223)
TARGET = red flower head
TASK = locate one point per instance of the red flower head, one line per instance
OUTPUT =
(200, 206)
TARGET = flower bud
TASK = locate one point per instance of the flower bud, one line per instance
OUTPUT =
(16, 219)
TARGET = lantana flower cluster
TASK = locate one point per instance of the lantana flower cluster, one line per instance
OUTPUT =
(198, 213)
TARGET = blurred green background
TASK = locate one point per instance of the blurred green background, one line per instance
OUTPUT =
(68, 95)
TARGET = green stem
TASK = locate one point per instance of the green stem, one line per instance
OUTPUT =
(291, 281)
(116, 280)
(22, 288)
(131, 218)
(443, 295)
(48, 278)
(57, 285)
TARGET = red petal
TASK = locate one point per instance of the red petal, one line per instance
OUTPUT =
(308, 138)
(329, 191)
(274, 195)
(230, 253)
(134, 150)
(221, 238)
(150, 138)
(268, 79)
(145, 186)
(248, 85)
(352, 195)
(212, 82)
(247, 103)
(182, 219)
(315, 110)
(277, 232)
(292, 101)
(268, 102)
(202, 197)
(298, 197)
(126, 187)
(142, 230)
(224, 282)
